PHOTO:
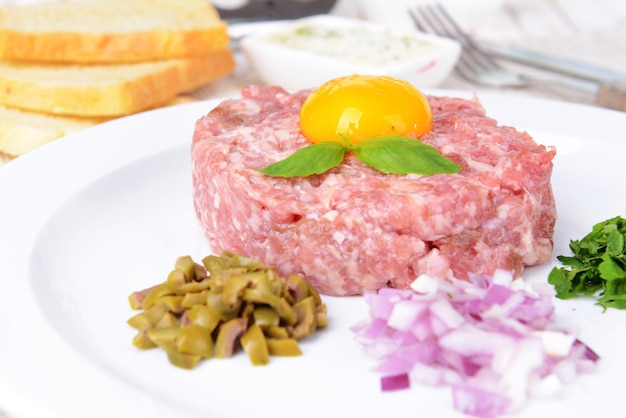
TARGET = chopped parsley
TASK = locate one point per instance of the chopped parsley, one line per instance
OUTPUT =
(597, 266)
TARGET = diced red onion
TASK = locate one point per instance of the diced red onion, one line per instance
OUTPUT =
(493, 340)
(395, 382)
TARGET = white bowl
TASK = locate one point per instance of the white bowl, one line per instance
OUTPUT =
(306, 52)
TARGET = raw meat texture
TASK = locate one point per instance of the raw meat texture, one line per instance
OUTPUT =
(353, 229)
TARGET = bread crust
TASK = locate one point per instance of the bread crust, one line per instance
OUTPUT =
(110, 31)
(23, 131)
(64, 47)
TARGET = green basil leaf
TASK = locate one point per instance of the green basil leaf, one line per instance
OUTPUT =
(399, 155)
(313, 159)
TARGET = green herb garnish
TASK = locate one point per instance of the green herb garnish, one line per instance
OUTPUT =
(388, 154)
(597, 267)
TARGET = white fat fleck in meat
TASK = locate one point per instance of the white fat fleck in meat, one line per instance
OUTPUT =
(331, 215)
(503, 212)
(339, 237)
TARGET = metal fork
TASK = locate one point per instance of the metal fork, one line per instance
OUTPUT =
(474, 64)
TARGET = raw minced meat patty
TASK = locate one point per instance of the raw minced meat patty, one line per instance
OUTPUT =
(354, 229)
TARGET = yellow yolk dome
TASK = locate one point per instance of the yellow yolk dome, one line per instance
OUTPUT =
(362, 107)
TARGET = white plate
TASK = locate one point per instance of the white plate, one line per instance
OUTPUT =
(90, 218)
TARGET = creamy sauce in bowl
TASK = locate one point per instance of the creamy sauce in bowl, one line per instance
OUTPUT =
(361, 44)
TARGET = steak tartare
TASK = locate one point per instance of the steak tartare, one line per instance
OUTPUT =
(354, 229)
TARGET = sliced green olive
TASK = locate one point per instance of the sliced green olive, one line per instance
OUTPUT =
(172, 303)
(203, 316)
(194, 298)
(315, 294)
(168, 320)
(182, 360)
(164, 337)
(321, 317)
(193, 287)
(234, 287)
(186, 265)
(266, 317)
(228, 335)
(260, 296)
(157, 292)
(176, 279)
(286, 312)
(195, 339)
(297, 287)
(226, 303)
(254, 344)
(284, 347)
(148, 318)
(307, 321)
(215, 302)
(142, 340)
(277, 333)
(135, 299)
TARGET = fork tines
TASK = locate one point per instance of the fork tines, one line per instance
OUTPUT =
(435, 19)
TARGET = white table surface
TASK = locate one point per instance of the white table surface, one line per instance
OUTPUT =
(592, 32)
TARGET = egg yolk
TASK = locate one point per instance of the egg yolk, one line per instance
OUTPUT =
(362, 107)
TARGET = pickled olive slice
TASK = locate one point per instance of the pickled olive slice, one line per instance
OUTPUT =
(237, 260)
(147, 318)
(261, 281)
(193, 287)
(315, 295)
(247, 312)
(157, 292)
(194, 298)
(297, 287)
(195, 339)
(307, 321)
(228, 335)
(200, 272)
(226, 303)
(266, 317)
(286, 312)
(234, 287)
(135, 299)
(182, 360)
(284, 347)
(279, 333)
(215, 302)
(186, 265)
(176, 279)
(168, 320)
(142, 341)
(260, 296)
(172, 303)
(214, 263)
(321, 317)
(253, 343)
(163, 337)
(202, 316)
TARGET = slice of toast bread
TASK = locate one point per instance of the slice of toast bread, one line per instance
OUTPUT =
(106, 90)
(23, 131)
(105, 31)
